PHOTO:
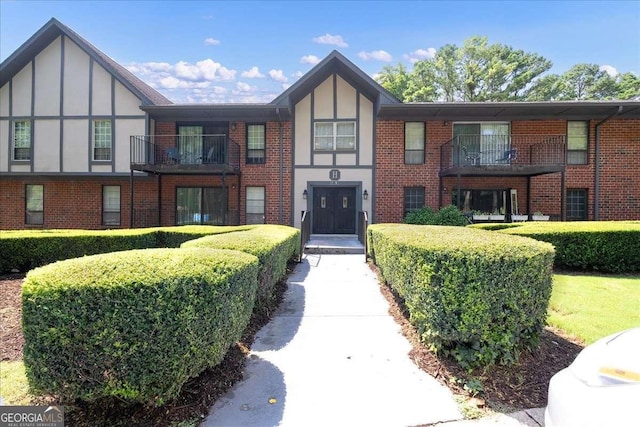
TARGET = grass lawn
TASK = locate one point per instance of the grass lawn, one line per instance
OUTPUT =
(14, 388)
(591, 307)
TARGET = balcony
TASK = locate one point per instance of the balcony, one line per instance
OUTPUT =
(184, 154)
(503, 155)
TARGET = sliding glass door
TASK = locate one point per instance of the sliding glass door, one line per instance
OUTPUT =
(200, 205)
(481, 143)
(190, 144)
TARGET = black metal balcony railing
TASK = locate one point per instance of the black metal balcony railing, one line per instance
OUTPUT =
(503, 150)
(184, 151)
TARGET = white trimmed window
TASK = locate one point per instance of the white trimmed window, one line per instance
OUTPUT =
(414, 143)
(34, 204)
(335, 136)
(102, 140)
(22, 140)
(255, 205)
(577, 142)
(256, 144)
(110, 205)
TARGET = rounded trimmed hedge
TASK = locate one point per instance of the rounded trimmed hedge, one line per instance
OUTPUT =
(134, 324)
(476, 295)
(274, 245)
(23, 250)
(608, 246)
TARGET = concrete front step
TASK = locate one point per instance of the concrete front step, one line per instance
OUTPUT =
(334, 244)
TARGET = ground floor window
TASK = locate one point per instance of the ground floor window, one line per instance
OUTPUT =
(110, 205)
(413, 199)
(34, 204)
(576, 204)
(480, 201)
(255, 205)
(200, 205)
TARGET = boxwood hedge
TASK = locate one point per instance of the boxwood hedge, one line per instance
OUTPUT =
(476, 295)
(25, 249)
(133, 324)
(607, 246)
(274, 245)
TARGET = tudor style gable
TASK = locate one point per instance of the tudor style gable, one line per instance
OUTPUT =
(66, 108)
(334, 108)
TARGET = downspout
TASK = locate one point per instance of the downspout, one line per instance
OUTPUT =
(596, 196)
(281, 171)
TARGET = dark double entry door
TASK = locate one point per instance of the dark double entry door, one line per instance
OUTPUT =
(334, 210)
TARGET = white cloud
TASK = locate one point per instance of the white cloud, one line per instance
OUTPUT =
(211, 41)
(285, 86)
(309, 59)
(378, 55)
(609, 69)
(297, 74)
(244, 87)
(204, 70)
(278, 76)
(330, 39)
(173, 83)
(253, 73)
(420, 54)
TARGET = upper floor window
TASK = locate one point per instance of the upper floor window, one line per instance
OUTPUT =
(34, 204)
(340, 136)
(577, 142)
(102, 140)
(22, 140)
(414, 143)
(256, 144)
(110, 205)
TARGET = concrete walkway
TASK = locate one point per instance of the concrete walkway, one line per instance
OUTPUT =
(333, 356)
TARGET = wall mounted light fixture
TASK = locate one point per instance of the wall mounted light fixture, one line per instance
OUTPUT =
(305, 194)
(365, 194)
(234, 125)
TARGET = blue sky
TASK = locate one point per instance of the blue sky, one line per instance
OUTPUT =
(215, 51)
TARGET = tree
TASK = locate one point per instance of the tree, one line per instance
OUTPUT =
(476, 71)
(628, 86)
(547, 88)
(479, 71)
(394, 79)
(580, 81)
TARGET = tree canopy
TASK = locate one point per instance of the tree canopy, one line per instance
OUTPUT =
(479, 71)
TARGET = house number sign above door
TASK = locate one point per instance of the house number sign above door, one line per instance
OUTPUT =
(334, 174)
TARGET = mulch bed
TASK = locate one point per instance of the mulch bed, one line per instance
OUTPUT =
(504, 388)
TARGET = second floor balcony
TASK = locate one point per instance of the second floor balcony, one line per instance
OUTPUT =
(503, 155)
(185, 154)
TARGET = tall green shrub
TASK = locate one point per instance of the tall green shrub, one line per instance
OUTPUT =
(608, 246)
(135, 324)
(475, 295)
(274, 245)
(449, 215)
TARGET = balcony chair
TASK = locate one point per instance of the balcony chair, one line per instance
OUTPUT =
(471, 157)
(209, 158)
(509, 155)
(173, 155)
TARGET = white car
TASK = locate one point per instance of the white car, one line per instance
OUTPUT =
(601, 387)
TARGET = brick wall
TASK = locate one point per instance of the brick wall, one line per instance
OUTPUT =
(268, 174)
(70, 202)
(619, 175)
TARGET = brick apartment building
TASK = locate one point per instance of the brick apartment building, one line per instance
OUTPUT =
(86, 144)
